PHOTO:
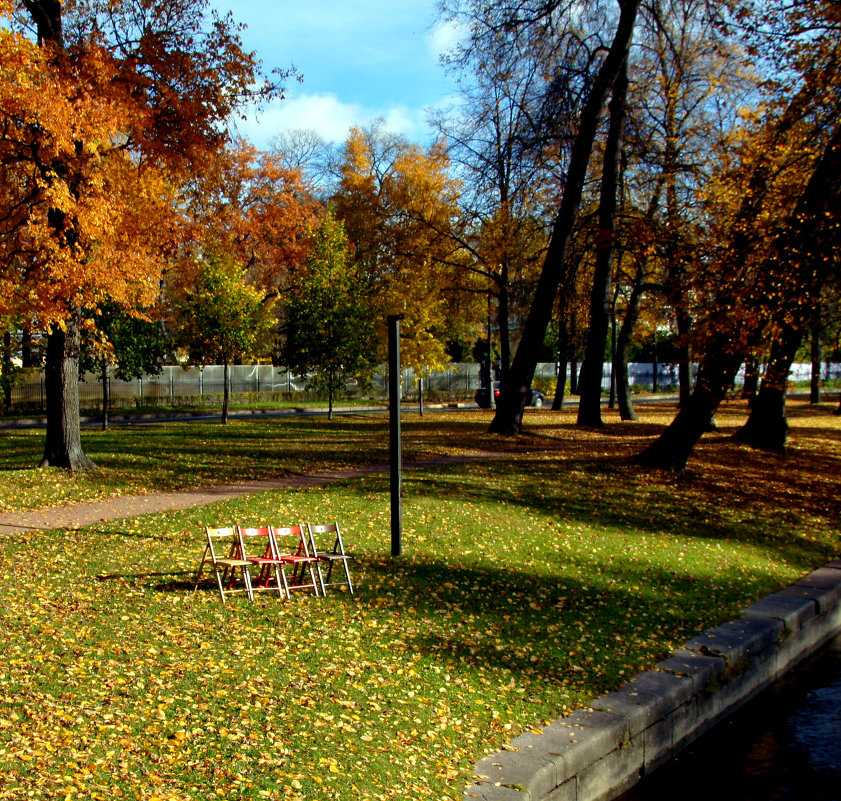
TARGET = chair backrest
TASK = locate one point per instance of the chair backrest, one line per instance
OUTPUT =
(219, 534)
(255, 541)
(331, 544)
(282, 545)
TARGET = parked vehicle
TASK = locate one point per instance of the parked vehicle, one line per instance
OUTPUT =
(535, 397)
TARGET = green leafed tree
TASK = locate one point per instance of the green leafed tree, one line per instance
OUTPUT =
(327, 327)
(133, 345)
(218, 317)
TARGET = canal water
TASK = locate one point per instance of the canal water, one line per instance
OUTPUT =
(785, 745)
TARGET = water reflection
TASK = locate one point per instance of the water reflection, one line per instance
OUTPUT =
(783, 746)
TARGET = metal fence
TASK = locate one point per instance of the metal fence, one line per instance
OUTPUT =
(178, 386)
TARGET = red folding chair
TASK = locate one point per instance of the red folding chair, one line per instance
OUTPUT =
(257, 546)
(225, 567)
(291, 549)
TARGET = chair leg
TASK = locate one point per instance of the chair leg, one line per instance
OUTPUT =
(320, 577)
(246, 578)
(277, 572)
(347, 575)
(219, 582)
(201, 568)
(312, 579)
(286, 592)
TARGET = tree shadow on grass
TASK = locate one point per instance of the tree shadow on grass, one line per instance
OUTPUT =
(553, 629)
(731, 503)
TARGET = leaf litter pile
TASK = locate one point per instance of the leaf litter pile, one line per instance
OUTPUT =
(530, 584)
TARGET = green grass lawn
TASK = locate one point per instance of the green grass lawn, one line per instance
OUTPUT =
(178, 455)
(529, 584)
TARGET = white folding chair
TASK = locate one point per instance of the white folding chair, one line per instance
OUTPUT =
(332, 553)
(225, 567)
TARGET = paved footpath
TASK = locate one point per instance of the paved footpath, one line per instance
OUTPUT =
(86, 514)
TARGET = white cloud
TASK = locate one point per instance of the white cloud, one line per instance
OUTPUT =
(329, 116)
(445, 36)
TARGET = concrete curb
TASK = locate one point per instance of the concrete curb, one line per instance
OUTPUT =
(596, 754)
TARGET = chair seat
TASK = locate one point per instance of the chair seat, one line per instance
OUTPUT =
(233, 562)
(295, 558)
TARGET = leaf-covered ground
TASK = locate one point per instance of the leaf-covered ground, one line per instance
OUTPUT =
(530, 583)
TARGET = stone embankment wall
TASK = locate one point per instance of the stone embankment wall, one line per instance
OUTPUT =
(597, 753)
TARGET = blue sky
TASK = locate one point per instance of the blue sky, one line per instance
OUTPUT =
(359, 60)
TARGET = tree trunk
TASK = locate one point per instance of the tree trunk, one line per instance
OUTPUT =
(623, 342)
(7, 372)
(590, 387)
(63, 446)
(611, 403)
(655, 372)
(767, 427)
(684, 377)
(509, 414)
(503, 322)
(104, 379)
(330, 394)
(26, 357)
(225, 392)
(563, 359)
(751, 385)
(573, 376)
(671, 450)
(420, 396)
(815, 384)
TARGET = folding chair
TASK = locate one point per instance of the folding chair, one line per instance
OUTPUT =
(298, 556)
(333, 552)
(225, 567)
(257, 546)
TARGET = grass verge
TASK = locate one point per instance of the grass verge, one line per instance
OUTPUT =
(530, 584)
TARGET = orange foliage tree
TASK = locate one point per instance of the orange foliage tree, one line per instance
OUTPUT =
(252, 206)
(106, 107)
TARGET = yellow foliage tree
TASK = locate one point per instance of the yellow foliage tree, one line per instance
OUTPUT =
(398, 203)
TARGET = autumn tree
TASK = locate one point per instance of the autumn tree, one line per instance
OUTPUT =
(775, 218)
(220, 317)
(256, 208)
(601, 296)
(107, 106)
(688, 82)
(398, 202)
(327, 327)
(506, 176)
(767, 299)
(508, 417)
